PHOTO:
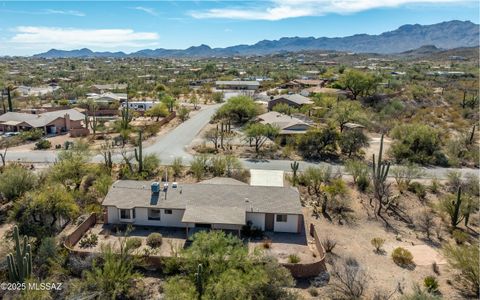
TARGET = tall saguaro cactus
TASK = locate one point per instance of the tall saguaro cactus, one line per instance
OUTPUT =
(19, 262)
(139, 153)
(294, 165)
(456, 209)
(380, 171)
(198, 281)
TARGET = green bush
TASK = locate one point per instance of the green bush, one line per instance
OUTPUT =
(459, 236)
(402, 257)
(431, 284)
(293, 259)
(154, 240)
(418, 189)
(31, 135)
(43, 144)
(378, 244)
(134, 242)
(89, 240)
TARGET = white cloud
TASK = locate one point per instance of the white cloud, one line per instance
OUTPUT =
(148, 10)
(65, 12)
(284, 9)
(71, 38)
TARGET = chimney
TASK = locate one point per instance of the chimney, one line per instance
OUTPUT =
(67, 122)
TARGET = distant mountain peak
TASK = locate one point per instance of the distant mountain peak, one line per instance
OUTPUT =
(444, 35)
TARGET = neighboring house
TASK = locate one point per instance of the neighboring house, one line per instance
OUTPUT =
(103, 88)
(237, 85)
(26, 91)
(303, 83)
(323, 90)
(208, 205)
(287, 124)
(140, 105)
(107, 97)
(52, 122)
(293, 100)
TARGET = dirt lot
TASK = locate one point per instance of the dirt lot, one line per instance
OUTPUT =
(354, 240)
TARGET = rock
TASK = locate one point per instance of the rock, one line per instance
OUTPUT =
(321, 280)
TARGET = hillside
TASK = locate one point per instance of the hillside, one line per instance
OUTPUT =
(445, 35)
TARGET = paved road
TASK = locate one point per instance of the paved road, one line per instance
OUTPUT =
(174, 143)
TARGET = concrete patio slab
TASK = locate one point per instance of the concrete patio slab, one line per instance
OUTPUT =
(266, 178)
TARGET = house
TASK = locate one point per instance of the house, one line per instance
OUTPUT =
(237, 85)
(107, 97)
(293, 100)
(303, 83)
(52, 122)
(287, 124)
(323, 90)
(26, 91)
(139, 105)
(103, 88)
(223, 206)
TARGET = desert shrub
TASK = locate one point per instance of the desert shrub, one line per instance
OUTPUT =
(431, 283)
(293, 259)
(154, 240)
(435, 186)
(404, 174)
(199, 166)
(378, 244)
(417, 143)
(134, 242)
(43, 144)
(351, 280)
(317, 143)
(357, 169)
(419, 294)
(425, 222)
(402, 257)
(31, 135)
(329, 244)
(459, 236)
(465, 259)
(218, 165)
(89, 240)
(418, 189)
(16, 181)
(177, 166)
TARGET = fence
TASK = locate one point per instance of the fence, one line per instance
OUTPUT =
(306, 270)
(77, 234)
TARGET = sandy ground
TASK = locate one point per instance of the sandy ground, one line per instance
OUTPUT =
(354, 240)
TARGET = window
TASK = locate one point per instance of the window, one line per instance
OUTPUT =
(124, 214)
(281, 218)
(154, 214)
(168, 211)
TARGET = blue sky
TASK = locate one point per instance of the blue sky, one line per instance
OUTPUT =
(28, 27)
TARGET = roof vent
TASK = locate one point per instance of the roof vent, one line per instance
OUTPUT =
(155, 187)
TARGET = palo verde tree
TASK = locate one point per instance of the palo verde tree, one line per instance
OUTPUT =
(259, 133)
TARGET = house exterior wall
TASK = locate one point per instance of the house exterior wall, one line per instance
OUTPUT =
(290, 226)
(166, 220)
(112, 213)
(257, 219)
(141, 217)
(226, 226)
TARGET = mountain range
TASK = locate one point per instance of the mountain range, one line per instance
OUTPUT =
(445, 35)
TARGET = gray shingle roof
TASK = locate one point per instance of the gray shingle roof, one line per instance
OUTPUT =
(295, 98)
(129, 194)
(40, 120)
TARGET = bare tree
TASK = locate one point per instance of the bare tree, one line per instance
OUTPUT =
(351, 280)
(213, 135)
(425, 222)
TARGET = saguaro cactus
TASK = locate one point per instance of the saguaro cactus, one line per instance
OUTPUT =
(380, 171)
(198, 281)
(139, 153)
(19, 262)
(456, 219)
(294, 165)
